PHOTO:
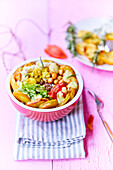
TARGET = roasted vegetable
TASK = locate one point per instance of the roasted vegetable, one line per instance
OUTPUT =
(109, 36)
(66, 99)
(86, 49)
(13, 83)
(107, 57)
(73, 87)
(89, 37)
(83, 34)
(80, 48)
(49, 104)
(21, 96)
(66, 67)
(35, 103)
(90, 50)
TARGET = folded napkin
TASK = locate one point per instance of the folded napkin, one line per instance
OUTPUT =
(59, 139)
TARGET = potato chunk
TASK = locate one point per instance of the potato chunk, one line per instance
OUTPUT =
(13, 83)
(80, 48)
(88, 37)
(66, 67)
(49, 104)
(90, 50)
(34, 103)
(94, 39)
(109, 36)
(72, 89)
(107, 57)
(65, 100)
(82, 33)
(85, 49)
(21, 96)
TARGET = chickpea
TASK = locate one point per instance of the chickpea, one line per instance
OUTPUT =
(50, 72)
(55, 81)
(61, 71)
(54, 75)
(59, 78)
(61, 81)
(50, 80)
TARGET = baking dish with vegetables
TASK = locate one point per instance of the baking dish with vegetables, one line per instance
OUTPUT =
(44, 89)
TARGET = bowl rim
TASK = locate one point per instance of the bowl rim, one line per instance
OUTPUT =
(78, 76)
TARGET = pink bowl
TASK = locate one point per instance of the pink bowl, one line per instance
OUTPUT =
(45, 115)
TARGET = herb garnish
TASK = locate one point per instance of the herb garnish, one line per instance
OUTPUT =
(32, 90)
(95, 58)
(41, 63)
(103, 42)
(71, 39)
(86, 36)
(28, 74)
(73, 75)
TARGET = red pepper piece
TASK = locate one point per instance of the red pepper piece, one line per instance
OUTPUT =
(64, 94)
(57, 88)
(55, 52)
(52, 94)
(90, 122)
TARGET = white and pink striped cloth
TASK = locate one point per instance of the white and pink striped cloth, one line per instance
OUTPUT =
(61, 139)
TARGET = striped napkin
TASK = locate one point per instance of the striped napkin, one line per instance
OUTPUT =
(59, 139)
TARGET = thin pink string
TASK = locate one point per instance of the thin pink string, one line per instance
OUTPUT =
(18, 41)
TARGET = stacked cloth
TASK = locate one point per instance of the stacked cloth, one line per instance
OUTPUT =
(59, 139)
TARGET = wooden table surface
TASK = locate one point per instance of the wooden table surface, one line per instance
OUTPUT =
(53, 15)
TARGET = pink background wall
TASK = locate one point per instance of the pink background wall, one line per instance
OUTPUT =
(54, 14)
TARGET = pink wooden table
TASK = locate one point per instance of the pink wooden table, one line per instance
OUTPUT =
(54, 14)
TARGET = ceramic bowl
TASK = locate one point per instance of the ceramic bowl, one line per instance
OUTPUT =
(45, 115)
